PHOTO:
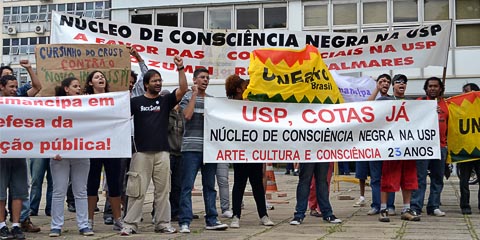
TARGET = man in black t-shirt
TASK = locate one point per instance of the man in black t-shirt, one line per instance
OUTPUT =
(151, 159)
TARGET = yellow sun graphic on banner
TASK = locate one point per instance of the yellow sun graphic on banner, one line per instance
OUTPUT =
(464, 127)
(285, 75)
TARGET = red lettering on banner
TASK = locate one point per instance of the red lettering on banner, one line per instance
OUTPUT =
(241, 71)
(76, 144)
(81, 36)
(343, 115)
(231, 155)
(185, 53)
(265, 114)
(372, 63)
(234, 55)
(381, 49)
(418, 45)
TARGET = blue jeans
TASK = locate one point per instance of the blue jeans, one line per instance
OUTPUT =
(192, 161)
(307, 171)
(437, 171)
(38, 168)
(375, 168)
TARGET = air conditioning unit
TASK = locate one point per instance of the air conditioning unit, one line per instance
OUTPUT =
(39, 29)
(11, 30)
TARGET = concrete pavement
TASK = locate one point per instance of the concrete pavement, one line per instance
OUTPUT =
(356, 223)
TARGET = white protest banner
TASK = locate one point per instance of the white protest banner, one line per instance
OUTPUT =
(258, 132)
(226, 52)
(354, 89)
(82, 126)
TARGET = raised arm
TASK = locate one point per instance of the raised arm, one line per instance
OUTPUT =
(182, 79)
(138, 88)
(188, 111)
(375, 92)
(36, 85)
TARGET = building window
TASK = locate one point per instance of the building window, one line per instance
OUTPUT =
(467, 9)
(275, 17)
(374, 12)
(468, 35)
(220, 19)
(193, 19)
(315, 15)
(405, 11)
(167, 19)
(247, 18)
(142, 19)
(344, 14)
(6, 46)
(436, 10)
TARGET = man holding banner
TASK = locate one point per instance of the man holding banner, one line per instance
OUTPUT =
(434, 89)
(151, 160)
(13, 171)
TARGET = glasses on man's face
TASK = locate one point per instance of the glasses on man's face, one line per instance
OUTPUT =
(400, 81)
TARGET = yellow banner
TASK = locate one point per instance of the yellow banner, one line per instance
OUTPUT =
(283, 75)
(464, 127)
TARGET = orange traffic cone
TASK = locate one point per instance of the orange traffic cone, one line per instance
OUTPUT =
(271, 183)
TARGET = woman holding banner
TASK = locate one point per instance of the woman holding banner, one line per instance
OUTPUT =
(234, 88)
(97, 83)
(66, 170)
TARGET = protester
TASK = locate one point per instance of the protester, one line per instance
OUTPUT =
(396, 173)
(466, 169)
(152, 158)
(192, 105)
(374, 168)
(29, 90)
(65, 170)
(97, 83)
(434, 89)
(242, 172)
(13, 172)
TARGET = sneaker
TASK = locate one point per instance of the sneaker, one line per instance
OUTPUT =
(227, 214)
(55, 232)
(295, 173)
(332, 219)
(108, 221)
(315, 213)
(235, 222)
(118, 225)
(466, 211)
(410, 215)
(195, 216)
(167, 230)
(360, 203)
(437, 213)
(265, 220)
(28, 226)
(269, 207)
(391, 212)
(5, 233)
(71, 208)
(90, 223)
(373, 211)
(296, 221)
(86, 231)
(17, 233)
(384, 216)
(216, 226)
(126, 231)
(184, 228)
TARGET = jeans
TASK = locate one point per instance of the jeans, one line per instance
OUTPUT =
(192, 161)
(223, 188)
(176, 168)
(437, 172)
(307, 171)
(375, 177)
(38, 168)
